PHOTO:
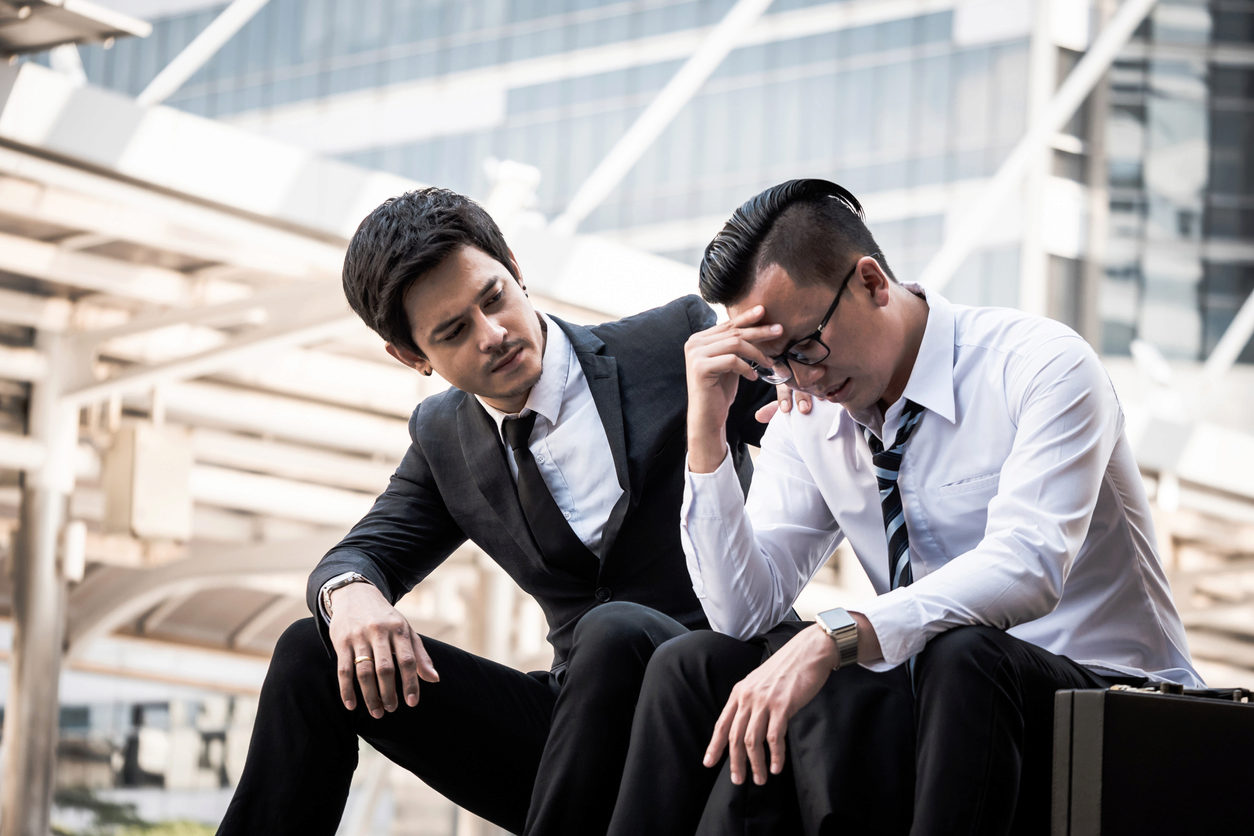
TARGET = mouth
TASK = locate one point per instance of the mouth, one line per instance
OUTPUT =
(835, 395)
(508, 362)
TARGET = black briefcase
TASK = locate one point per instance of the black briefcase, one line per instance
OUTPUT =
(1138, 761)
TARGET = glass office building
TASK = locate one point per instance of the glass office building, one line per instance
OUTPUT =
(911, 105)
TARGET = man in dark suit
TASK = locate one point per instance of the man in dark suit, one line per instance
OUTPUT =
(596, 544)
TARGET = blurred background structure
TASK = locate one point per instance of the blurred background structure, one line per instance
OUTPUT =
(189, 416)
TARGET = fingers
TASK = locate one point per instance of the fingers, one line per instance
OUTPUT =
(381, 677)
(805, 401)
(379, 658)
(767, 411)
(787, 396)
(755, 745)
(346, 675)
(413, 663)
(775, 736)
(718, 740)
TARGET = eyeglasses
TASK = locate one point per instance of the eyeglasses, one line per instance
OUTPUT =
(810, 350)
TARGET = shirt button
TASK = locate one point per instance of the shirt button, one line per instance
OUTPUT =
(539, 459)
(566, 515)
(604, 594)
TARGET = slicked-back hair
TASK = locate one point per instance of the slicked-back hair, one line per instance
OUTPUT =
(811, 228)
(401, 240)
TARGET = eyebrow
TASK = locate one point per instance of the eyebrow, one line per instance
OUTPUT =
(452, 320)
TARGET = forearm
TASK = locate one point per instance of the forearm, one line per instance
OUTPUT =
(745, 585)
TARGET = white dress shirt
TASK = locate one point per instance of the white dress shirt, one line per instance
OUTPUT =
(1024, 506)
(568, 442)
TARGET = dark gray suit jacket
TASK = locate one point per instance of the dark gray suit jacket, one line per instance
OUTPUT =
(454, 484)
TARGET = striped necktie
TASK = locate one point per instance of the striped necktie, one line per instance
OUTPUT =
(887, 464)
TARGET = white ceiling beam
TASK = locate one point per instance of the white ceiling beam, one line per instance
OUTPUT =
(24, 364)
(317, 325)
(203, 47)
(721, 40)
(48, 262)
(44, 313)
(60, 195)
(980, 214)
(289, 461)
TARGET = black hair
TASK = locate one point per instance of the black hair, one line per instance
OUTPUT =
(809, 227)
(401, 240)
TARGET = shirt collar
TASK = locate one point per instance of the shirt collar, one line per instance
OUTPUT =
(547, 395)
(931, 382)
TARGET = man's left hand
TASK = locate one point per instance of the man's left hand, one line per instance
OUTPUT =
(756, 716)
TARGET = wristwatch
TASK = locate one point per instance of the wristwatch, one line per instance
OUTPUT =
(337, 582)
(842, 629)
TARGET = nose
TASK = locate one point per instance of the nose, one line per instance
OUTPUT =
(806, 376)
(490, 332)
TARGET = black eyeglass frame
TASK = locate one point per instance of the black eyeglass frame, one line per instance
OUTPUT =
(772, 375)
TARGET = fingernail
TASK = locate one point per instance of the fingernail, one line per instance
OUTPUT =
(411, 700)
(376, 713)
(784, 406)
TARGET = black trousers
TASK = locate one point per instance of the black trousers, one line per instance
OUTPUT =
(971, 739)
(533, 753)
(845, 750)
(985, 714)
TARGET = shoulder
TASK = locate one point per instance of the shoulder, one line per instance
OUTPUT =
(678, 318)
(1027, 353)
(436, 414)
(1019, 338)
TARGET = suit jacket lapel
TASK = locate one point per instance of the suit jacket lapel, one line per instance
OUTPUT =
(601, 370)
(485, 459)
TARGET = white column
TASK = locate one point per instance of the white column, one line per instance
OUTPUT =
(39, 593)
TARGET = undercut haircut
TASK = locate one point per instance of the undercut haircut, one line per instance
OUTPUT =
(811, 228)
(404, 238)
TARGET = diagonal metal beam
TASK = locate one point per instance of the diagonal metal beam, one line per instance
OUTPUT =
(1232, 343)
(1070, 95)
(650, 124)
(203, 47)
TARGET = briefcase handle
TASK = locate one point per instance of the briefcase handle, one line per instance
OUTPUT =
(1227, 694)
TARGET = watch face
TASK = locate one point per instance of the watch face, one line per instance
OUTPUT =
(836, 620)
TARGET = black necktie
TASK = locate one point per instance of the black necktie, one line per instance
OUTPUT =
(887, 464)
(552, 533)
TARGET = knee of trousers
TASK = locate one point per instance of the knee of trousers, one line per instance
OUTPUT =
(960, 656)
(618, 628)
(300, 658)
(698, 659)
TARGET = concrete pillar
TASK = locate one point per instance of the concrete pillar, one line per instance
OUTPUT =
(39, 609)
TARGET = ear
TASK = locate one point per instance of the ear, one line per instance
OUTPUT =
(517, 270)
(874, 280)
(417, 362)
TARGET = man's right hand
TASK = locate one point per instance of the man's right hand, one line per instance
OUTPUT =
(716, 359)
(372, 641)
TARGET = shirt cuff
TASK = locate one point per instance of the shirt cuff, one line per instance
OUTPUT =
(898, 626)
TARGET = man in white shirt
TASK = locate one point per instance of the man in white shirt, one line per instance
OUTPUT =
(1001, 519)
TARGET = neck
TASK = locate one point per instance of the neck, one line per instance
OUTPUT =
(913, 324)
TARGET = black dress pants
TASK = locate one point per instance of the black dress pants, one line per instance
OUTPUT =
(985, 707)
(848, 751)
(533, 753)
